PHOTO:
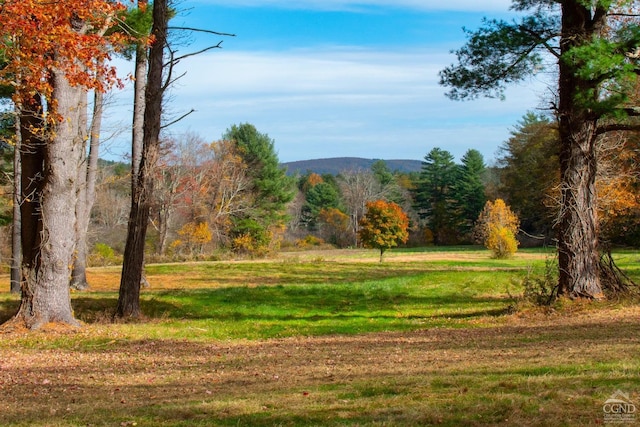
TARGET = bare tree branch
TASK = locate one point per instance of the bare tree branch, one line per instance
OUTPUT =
(179, 58)
(200, 30)
(617, 127)
(177, 120)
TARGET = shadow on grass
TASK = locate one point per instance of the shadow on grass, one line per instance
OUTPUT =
(8, 308)
(286, 303)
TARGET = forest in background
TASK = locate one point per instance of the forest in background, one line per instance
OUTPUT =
(209, 205)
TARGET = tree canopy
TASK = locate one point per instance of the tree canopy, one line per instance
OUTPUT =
(383, 226)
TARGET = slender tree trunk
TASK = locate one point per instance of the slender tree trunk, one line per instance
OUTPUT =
(87, 176)
(164, 218)
(50, 227)
(139, 89)
(578, 252)
(16, 244)
(78, 277)
(129, 294)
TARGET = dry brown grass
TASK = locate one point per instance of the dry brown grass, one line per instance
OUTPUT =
(538, 370)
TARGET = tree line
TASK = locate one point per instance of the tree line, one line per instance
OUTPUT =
(232, 196)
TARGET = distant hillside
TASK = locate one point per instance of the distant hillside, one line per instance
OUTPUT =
(336, 165)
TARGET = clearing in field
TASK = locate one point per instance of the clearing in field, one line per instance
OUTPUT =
(327, 338)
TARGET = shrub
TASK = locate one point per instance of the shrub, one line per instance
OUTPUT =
(541, 289)
(497, 227)
(310, 241)
(248, 237)
(102, 255)
(501, 242)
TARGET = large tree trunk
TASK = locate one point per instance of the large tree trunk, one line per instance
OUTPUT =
(49, 228)
(129, 294)
(578, 252)
(87, 175)
(32, 155)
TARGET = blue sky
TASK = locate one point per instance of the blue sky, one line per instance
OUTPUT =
(333, 78)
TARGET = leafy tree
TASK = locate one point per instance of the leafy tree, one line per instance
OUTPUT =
(383, 226)
(598, 62)
(67, 44)
(433, 195)
(270, 187)
(334, 227)
(194, 237)
(619, 189)
(310, 181)
(497, 228)
(468, 190)
(529, 173)
(320, 196)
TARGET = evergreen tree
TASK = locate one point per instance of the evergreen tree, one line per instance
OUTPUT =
(382, 173)
(270, 187)
(595, 45)
(433, 195)
(388, 181)
(321, 196)
(469, 191)
(530, 172)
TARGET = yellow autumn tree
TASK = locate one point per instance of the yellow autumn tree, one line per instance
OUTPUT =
(497, 227)
(383, 226)
(194, 236)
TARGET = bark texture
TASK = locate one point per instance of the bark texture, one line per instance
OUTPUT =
(87, 175)
(49, 221)
(578, 252)
(129, 293)
(16, 244)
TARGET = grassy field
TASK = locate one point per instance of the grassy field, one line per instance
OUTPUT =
(429, 337)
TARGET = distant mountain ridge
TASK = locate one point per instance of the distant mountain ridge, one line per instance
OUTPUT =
(337, 165)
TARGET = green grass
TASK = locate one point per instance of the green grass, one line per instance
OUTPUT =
(251, 300)
(399, 303)
(288, 297)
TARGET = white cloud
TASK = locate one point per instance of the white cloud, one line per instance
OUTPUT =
(341, 102)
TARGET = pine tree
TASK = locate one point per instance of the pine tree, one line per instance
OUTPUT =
(469, 195)
(271, 188)
(433, 195)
